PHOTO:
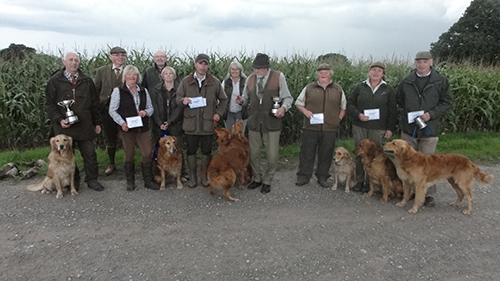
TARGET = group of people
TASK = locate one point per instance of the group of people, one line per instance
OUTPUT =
(143, 109)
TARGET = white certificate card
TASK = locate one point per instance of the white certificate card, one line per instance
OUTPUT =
(373, 114)
(134, 122)
(414, 114)
(197, 102)
(317, 118)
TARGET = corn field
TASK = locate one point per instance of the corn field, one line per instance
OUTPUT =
(24, 124)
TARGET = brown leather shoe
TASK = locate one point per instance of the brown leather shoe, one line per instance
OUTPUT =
(429, 202)
(266, 188)
(254, 185)
(110, 169)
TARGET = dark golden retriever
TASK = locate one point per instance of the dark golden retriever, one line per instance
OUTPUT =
(380, 170)
(61, 168)
(417, 169)
(344, 165)
(169, 161)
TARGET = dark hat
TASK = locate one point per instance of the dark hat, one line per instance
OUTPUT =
(261, 61)
(202, 58)
(324, 66)
(424, 55)
(117, 50)
(377, 64)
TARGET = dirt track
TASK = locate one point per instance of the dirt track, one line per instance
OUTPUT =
(292, 233)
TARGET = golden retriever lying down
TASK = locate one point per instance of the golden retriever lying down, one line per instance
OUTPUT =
(169, 161)
(417, 169)
(380, 170)
(61, 168)
(344, 165)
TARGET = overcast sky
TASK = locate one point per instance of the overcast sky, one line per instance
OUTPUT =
(358, 29)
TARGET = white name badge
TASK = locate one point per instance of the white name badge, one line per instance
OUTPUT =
(317, 118)
(414, 114)
(373, 114)
(197, 102)
(134, 122)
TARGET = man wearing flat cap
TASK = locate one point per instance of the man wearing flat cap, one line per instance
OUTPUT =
(106, 79)
(268, 97)
(204, 102)
(426, 94)
(373, 109)
(323, 104)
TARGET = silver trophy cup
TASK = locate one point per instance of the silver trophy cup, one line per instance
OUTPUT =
(71, 118)
(276, 105)
(420, 122)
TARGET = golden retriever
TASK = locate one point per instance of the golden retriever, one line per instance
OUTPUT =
(169, 161)
(380, 169)
(417, 169)
(61, 168)
(344, 165)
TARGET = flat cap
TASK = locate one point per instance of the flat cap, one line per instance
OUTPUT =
(261, 61)
(117, 50)
(377, 64)
(424, 55)
(324, 66)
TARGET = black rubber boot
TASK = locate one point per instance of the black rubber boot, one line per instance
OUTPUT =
(147, 176)
(192, 171)
(205, 161)
(130, 175)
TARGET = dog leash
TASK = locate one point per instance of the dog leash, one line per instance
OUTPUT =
(427, 133)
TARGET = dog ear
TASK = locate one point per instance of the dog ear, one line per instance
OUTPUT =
(70, 143)
(53, 143)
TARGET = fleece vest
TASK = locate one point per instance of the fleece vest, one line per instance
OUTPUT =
(323, 100)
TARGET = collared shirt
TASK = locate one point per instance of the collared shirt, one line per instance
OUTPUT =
(301, 100)
(114, 104)
(200, 80)
(69, 76)
(286, 97)
(367, 82)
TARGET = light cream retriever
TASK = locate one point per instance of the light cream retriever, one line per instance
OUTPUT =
(61, 168)
(417, 169)
(344, 165)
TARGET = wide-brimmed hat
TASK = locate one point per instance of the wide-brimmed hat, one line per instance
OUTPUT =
(261, 61)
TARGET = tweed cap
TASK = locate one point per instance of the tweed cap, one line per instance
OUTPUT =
(261, 61)
(202, 58)
(324, 66)
(424, 55)
(377, 64)
(117, 50)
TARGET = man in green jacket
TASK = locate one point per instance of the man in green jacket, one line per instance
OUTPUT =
(204, 101)
(426, 94)
(106, 79)
(70, 83)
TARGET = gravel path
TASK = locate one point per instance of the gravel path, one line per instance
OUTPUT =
(292, 233)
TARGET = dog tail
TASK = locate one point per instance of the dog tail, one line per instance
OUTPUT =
(35, 187)
(483, 177)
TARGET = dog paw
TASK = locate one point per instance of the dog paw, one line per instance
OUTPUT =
(368, 194)
(383, 200)
(466, 212)
(59, 195)
(413, 210)
(401, 204)
(347, 190)
(74, 192)
(334, 187)
(180, 186)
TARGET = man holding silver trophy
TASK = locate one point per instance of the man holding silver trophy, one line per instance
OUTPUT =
(72, 105)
